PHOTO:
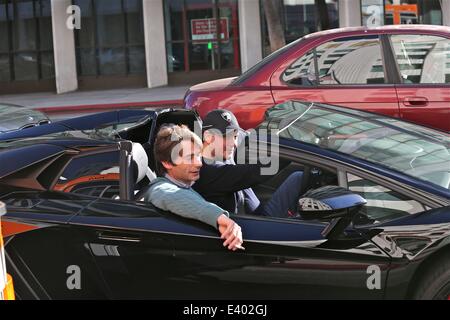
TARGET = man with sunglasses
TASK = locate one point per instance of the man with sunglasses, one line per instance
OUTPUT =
(229, 185)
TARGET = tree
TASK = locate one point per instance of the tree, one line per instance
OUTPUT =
(274, 25)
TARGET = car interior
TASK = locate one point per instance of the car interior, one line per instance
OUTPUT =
(142, 165)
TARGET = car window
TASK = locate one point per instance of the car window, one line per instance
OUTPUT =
(318, 176)
(351, 60)
(266, 61)
(422, 58)
(112, 131)
(51, 206)
(383, 204)
(105, 190)
(90, 173)
(412, 150)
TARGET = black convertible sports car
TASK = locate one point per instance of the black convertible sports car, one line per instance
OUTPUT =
(76, 227)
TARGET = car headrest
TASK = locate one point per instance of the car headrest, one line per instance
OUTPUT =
(140, 162)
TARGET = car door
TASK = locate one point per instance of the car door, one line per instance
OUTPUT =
(423, 62)
(348, 71)
(43, 252)
(144, 253)
(283, 259)
(129, 245)
(409, 226)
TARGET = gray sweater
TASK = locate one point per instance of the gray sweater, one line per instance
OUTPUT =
(184, 201)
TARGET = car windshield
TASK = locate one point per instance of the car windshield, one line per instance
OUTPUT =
(14, 117)
(93, 134)
(267, 60)
(405, 147)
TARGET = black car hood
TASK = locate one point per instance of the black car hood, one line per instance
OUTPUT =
(87, 122)
(35, 131)
(16, 159)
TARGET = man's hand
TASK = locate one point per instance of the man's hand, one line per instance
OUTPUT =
(231, 232)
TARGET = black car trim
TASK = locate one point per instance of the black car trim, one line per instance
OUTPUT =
(392, 70)
(276, 242)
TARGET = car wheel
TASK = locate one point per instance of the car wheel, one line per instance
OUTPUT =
(435, 283)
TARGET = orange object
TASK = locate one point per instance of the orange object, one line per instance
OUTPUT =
(398, 9)
(11, 228)
(68, 186)
(8, 292)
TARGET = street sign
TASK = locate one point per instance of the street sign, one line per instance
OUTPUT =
(205, 30)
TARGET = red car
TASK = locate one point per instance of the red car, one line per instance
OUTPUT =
(401, 71)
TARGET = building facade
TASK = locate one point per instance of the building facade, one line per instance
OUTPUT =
(67, 45)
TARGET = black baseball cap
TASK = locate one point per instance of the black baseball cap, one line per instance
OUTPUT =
(222, 120)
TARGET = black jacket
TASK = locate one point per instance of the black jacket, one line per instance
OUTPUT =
(227, 185)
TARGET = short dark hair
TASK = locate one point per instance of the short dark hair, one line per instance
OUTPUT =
(168, 137)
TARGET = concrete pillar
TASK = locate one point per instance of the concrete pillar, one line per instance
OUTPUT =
(63, 48)
(250, 33)
(155, 43)
(349, 13)
(446, 12)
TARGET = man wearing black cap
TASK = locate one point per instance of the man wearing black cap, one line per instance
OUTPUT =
(227, 184)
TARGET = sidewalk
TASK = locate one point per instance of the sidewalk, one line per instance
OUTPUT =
(50, 102)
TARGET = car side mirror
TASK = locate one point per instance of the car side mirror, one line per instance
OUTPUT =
(331, 203)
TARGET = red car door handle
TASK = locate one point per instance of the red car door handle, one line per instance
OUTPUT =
(415, 101)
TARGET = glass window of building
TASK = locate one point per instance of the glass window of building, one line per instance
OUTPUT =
(201, 35)
(284, 21)
(111, 39)
(422, 58)
(26, 42)
(385, 12)
(355, 60)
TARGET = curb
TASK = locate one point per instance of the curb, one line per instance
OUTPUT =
(110, 106)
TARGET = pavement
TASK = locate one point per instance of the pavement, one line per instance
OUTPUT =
(79, 102)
